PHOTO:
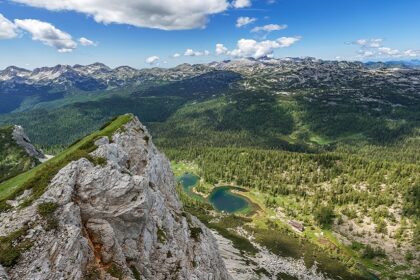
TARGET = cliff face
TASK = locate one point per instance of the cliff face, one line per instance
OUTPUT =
(23, 141)
(120, 218)
(17, 154)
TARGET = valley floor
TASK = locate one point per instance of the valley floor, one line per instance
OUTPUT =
(262, 243)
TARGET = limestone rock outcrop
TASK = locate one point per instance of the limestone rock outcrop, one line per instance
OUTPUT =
(22, 140)
(120, 219)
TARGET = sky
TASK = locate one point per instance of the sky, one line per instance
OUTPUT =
(165, 33)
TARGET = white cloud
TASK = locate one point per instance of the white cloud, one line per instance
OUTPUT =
(241, 3)
(176, 55)
(162, 14)
(7, 28)
(288, 41)
(412, 53)
(242, 21)
(388, 51)
(370, 43)
(221, 49)
(366, 53)
(191, 52)
(375, 48)
(257, 49)
(86, 42)
(152, 60)
(47, 34)
(269, 28)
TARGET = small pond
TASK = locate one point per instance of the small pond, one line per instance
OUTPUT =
(188, 181)
(223, 199)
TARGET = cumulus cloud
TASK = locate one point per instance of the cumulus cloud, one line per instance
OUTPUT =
(374, 48)
(366, 53)
(241, 3)
(163, 14)
(242, 21)
(152, 60)
(191, 52)
(7, 28)
(269, 28)
(388, 51)
(371, 43)
(221, 49)
(412, 53)
(257, 49)
(86, 42)
(176, 55)
(47, 34)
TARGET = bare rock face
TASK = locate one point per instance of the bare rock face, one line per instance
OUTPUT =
(3, 275)
(22, 140)
(118, 220)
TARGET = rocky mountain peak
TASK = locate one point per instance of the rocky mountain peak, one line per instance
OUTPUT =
(114, 216)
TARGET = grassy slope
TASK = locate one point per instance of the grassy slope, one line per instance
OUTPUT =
(39, 177)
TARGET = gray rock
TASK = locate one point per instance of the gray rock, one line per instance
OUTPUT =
(3, 275)
(22, 140)
(125, 215)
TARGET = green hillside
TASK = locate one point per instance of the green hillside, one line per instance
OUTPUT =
(13, 158)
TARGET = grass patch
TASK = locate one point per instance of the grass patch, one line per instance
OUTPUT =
(195, 233)
(39, 177)
(101, 161)
(161, 235)
(115, 271)
(92, 274)
(223, 225)
(46, 209)
(135, 272)
(12, 246)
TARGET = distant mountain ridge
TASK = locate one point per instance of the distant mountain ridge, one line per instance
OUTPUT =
(406, 64)
(21, 87)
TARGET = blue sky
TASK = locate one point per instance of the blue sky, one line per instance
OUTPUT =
(145, 33)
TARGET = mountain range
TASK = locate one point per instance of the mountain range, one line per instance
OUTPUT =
(21, 88)
(324, 153)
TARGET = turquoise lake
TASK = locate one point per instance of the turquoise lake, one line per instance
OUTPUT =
(224, 200)
(188, 182)
(221, 198)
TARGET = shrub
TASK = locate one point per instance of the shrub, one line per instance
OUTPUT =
(324, 215)
(135, 272)
(47, 208)
(101, 161)
(11, 247)
(195, 233)
(115, 271)
(369, 252)
(381, 226)
(408, 256)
